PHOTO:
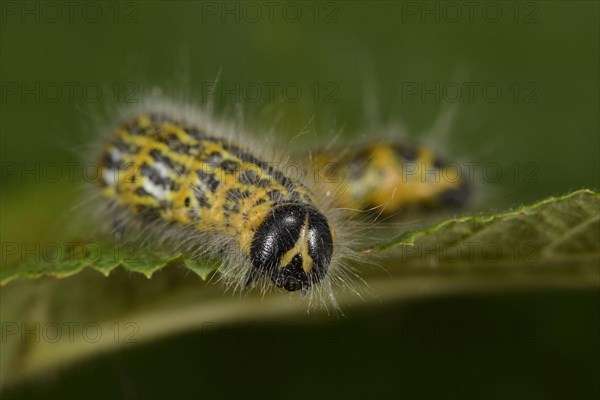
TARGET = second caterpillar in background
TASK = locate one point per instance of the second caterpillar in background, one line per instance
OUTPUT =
(390, 179)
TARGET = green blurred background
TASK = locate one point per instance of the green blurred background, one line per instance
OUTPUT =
(544, 57)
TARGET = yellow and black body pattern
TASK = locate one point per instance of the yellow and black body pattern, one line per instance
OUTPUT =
(387, 178)
(163, 170)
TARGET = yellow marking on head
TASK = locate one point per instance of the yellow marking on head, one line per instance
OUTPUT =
(300, 247)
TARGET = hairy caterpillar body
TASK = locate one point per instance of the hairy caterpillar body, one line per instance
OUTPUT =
(160, 169)
(387, 178)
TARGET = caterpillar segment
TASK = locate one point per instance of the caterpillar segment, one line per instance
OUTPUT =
(168, 171)
(388, 178)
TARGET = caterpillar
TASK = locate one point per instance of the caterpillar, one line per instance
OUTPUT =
(159, 169)
(388, 178)
(181, 179)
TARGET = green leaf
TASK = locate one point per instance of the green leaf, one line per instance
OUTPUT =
(566, 226)
(551, 244)
(72, 257)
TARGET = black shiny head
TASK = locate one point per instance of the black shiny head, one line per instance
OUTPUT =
(293, 246)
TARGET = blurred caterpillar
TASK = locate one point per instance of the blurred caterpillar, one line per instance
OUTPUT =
(388, 178)
(164, 175)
